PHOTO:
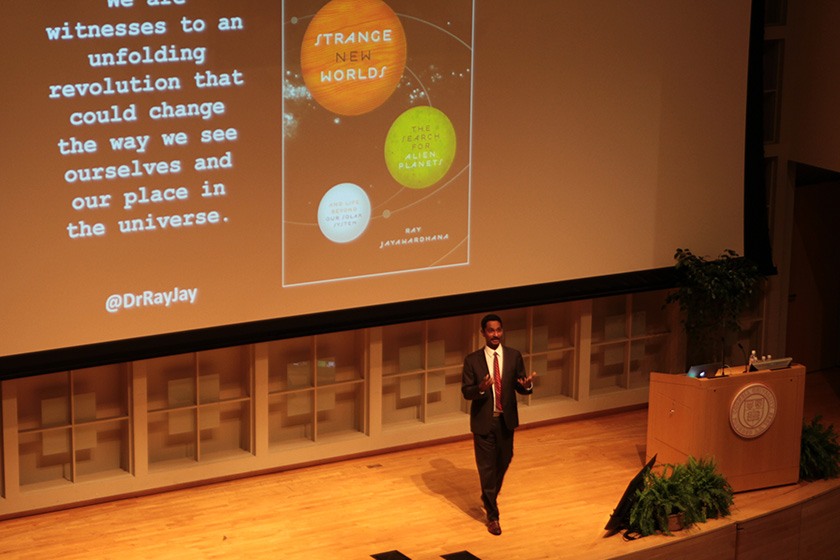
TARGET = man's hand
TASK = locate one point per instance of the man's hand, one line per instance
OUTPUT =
(528, 381)
(485, 383)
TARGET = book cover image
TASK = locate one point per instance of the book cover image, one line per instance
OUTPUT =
(377, 111)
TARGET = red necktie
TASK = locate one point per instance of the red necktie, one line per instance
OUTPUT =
(497, 381)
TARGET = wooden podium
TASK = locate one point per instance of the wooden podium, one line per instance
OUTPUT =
(749, 422)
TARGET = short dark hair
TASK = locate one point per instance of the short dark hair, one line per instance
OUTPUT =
(489, 317)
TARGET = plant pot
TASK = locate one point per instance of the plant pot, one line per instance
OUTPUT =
(676, 522)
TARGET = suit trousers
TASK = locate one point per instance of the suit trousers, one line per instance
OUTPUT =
(493, 453)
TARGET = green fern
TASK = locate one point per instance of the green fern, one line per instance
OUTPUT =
(662, 495)
(820, 453)
(695, 489)
(713, 492)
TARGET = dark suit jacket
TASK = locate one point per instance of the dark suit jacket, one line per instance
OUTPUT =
(481, 407)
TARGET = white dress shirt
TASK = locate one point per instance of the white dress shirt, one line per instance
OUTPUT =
(488, 355)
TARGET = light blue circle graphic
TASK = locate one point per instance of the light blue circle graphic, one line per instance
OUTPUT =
(344, 213)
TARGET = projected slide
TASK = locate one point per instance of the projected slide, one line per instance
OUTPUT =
(376, 138)
(179, 173)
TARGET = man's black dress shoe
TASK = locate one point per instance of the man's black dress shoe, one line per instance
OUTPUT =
(493, 527)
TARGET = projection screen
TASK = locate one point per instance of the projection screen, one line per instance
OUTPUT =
(175, 172)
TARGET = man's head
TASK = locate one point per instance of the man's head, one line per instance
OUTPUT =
(491, 330)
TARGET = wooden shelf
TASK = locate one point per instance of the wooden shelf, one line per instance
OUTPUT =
(201, 416)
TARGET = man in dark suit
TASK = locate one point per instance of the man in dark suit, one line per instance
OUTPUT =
(491, 378)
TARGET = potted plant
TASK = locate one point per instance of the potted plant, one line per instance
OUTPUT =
(678, 496)
(820, 453)
(665, 502)
(712, 295)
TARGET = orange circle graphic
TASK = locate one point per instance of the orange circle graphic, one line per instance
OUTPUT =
(353, 55)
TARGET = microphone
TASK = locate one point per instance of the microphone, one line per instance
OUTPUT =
(746, 361)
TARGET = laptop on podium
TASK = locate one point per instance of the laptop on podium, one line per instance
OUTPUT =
(704, 371)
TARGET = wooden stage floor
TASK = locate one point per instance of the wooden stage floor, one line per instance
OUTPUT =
(563, 484)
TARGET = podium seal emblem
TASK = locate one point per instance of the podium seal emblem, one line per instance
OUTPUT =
(752, 410)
